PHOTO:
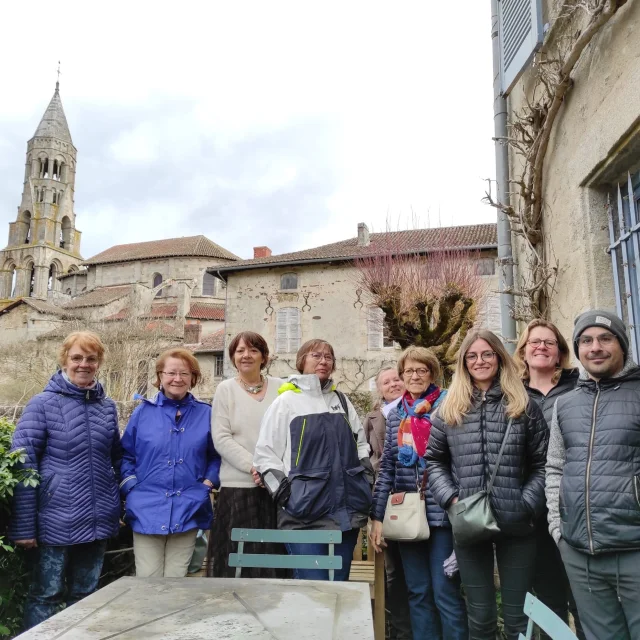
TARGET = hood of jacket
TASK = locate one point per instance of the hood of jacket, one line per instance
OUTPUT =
(58, 383)
(309, 383)
(160, 400)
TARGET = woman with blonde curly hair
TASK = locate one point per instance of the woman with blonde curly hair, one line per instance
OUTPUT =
(486, 395)
(544, 361)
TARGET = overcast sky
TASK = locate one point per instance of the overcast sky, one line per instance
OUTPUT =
(255, 123)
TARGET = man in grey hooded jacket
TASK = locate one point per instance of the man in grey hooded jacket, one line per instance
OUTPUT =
(593, 480)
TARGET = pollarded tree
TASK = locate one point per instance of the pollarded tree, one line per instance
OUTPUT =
(428, 300)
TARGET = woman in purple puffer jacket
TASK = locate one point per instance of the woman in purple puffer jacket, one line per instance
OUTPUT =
(69, 434)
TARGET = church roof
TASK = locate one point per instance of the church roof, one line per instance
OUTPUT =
(54, 122)
(192, 246)
(214, 342)
(40, 306)
(477, 236)
(98, 297)
(198, 311)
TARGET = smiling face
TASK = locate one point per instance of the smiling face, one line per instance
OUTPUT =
(81, 366)
(542, 357)
(603, 357)
(417, 377)
(319, 361)
(248, 360)
(482, 363)
(390, 385)
(176, 378)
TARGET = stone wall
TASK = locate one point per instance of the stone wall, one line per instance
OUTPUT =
(595, 142)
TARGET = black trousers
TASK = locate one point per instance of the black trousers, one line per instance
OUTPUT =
(607, 591)
(515, 557)
(550, 583)
(397, 597)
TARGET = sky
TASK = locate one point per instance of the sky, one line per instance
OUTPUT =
(273, 123)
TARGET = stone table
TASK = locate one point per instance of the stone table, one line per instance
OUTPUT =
(215, 608)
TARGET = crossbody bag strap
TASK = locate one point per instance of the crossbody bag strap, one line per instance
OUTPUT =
(495, 469)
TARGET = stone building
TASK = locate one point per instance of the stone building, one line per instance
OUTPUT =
(292, 297)
(591, 180)
(43, 241)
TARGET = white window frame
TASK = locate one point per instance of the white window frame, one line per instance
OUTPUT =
(376, 330)
(288, 330)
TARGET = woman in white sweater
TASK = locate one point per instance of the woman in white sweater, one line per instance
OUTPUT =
(238, 408)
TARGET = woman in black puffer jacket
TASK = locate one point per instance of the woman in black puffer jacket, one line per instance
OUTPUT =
(465, 439)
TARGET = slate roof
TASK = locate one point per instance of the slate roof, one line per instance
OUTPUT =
(477, 236)
(54, 122)
(98, 297)
(198, 311)
(192, 246)
(211, 343)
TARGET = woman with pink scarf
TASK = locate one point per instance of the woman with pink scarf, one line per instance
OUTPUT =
(437, 609)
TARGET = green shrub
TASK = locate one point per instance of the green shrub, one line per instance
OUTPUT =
(13, 571)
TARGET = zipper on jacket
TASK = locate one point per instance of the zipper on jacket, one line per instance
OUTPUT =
(588, 474)
(483, 434)
(93, 489)
(304, 424)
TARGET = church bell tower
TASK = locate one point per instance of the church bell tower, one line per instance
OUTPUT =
(43, 241)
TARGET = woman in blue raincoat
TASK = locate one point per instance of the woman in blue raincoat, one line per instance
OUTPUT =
(168, 470)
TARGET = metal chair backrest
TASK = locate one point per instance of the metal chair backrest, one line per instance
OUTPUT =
(272, 561)
(546, 619)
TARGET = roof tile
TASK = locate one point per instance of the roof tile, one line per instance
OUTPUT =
(212, 342)
(98, 297)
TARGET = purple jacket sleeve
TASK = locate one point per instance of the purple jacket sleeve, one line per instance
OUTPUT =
(31, 437)
(213, 463)
(116, 451)
(128, 444)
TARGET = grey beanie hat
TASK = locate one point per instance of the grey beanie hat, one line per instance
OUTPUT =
(599, 318)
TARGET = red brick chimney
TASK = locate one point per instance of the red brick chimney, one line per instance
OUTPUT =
(261, 252)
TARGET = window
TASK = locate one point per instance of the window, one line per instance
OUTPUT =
(287, 330)
(486, 266)
(378, 333)
(289, 281)
(157, 280)
(218, 366)
(208, 284)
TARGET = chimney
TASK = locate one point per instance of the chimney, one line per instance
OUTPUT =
(363, 235)
(261, 252)
(192, 333)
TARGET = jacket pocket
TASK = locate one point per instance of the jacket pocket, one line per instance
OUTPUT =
(46, 490)
(309, 499)
(636, 489)
(357, 489)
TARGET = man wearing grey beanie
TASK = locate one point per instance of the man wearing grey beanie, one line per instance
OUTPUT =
(593, 479)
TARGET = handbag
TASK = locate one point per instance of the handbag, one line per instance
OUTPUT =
(406, 516)
(471, 519)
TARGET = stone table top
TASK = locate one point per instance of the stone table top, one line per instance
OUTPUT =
(215, 608)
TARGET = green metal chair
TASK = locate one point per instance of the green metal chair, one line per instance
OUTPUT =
(272, 561)
(546, 619)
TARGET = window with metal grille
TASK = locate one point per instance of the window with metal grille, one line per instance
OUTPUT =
(218, 366)
(624, 230)
(287, 330)
(378, 332)
(208, 284)
(521, 33)
(289, 281)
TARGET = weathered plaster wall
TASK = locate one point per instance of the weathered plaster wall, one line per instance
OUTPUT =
(595, 128)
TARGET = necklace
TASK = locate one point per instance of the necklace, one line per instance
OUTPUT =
(252, 388)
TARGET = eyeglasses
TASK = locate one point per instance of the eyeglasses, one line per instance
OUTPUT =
(536, 343)
(185, 375)
(604, 340)
(91, 360)
(485, 356)
(421, 372)
(318, 357)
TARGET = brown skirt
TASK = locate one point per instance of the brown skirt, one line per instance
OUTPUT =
(239, 508)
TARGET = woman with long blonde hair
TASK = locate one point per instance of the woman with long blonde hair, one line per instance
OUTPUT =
(467, 432)
(544, 363)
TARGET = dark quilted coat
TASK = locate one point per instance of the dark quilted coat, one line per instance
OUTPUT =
(394, 477)
(71, 438)
(567, 382)
(460, 460)
(600, 488)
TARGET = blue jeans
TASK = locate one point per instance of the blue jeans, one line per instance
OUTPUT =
(344, 550)
(436, 606)
(75, 568)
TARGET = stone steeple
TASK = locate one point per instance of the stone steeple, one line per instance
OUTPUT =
(43, 241)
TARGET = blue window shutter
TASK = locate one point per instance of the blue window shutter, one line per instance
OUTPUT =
(521, 34)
